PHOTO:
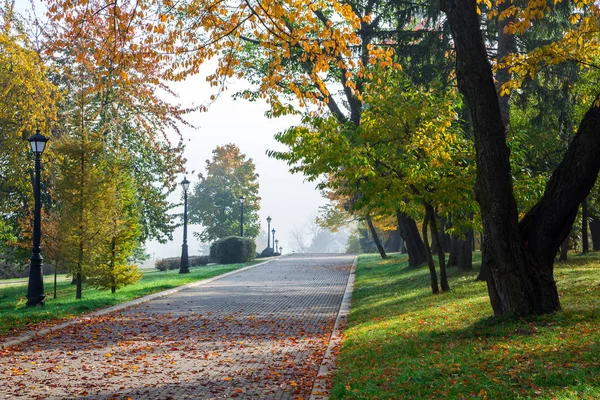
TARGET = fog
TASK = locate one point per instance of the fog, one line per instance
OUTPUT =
(287, 198)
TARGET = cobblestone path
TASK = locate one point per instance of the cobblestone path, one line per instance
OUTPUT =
(258, 334)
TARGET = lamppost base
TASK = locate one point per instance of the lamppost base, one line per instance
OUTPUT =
(35, 301)
(185, 270)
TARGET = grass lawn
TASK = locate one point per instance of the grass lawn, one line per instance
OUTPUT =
(14, 316)
(402, 342)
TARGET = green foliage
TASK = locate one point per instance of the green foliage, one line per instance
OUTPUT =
(408, 150)
(27, 103)
(113, 277)
(233, 249)
(175, 262)
(401, 342)
(215, 202)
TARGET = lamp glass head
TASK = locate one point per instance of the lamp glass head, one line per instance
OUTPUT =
(185, 183)
(38, 142)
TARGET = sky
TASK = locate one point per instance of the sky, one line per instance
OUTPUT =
(287, 198)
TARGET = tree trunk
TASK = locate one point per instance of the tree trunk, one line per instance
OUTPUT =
(445, 239)
(522, 254)
(454, 248)
(375, 237)
(392, 244)
(55, 276)
(432, 273)
(414, 243)
(595, 230)
(584, 227)
(437, 246)
(564, 250)
(485, 262)
(465, 252)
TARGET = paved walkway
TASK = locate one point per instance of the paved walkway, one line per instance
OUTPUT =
(259, 334)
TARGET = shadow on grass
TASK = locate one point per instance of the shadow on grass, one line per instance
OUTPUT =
(403, 342)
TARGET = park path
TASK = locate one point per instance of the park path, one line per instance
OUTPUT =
(257, 334)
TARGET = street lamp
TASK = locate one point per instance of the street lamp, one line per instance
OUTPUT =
(273, 232)
(242, 201)
(276, 242)
(268, 229)
(35, 287)
(280, 250)
(184, 265)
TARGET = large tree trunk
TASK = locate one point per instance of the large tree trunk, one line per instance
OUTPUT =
(522, 254)
(432, 272)
(414, 243)
(584, 227)
(375, 237)
(437, 246)
(595, 230)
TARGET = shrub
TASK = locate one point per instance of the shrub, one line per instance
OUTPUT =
(175, 262)
(233, 249)
(198, 261)
(104, 277)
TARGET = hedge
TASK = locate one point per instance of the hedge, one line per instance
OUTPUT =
(233, 249)
(175, 262)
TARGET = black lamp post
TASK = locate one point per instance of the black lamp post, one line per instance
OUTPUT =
(273, 232)
(184, 266)
(242, 201)
(268, 229)
(276, 242)
(35, 288)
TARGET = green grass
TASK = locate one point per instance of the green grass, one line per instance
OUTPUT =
(401, 342)
(14, 316)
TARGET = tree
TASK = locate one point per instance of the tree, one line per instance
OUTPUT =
(214, 202)
(105, 52)
(521, 254)
(28, 103)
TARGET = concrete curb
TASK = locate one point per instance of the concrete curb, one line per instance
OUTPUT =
(28, 336)
(320, 391)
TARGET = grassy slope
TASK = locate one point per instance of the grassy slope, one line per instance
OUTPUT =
(14, 314)
(402, 342)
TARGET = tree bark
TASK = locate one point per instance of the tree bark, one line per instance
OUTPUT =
(392, 244)
(454, 248)
(432, 272)
(595, 231)
(375, 237)
(414, 243)
(584, 227)
(445, 239)
(437, 246)
(564, 250)
(465, 251)
(522, 254)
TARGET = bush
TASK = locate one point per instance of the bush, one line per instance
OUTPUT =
(232, 249)
(104, 277)
(175, 262)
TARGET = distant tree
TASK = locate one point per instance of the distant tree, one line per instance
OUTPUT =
(215, 202)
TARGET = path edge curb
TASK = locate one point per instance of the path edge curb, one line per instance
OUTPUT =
(327, 368)
(145, 299)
